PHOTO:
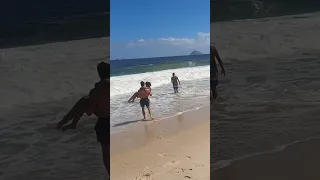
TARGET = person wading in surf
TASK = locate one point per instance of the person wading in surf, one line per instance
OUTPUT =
(134, 96)
(175, 81)
(143, 94)
(214, 72)
(97, 103)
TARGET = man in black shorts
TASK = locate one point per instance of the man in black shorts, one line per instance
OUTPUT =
(97, 103)
(214, 72)
(175, 81)
(143, 94)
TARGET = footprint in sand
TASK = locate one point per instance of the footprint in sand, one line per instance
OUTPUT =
(179, 170)
(187, 157)
(198, 165)
(173, 162)
(175, 171)
(144, 176)
(161, 154)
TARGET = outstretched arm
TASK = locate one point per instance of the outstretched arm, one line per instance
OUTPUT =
(220, 62)
(74, 114)
(133, 97)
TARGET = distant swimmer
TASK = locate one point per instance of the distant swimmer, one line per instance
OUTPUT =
(175, 81)
(214, 72)
(143, 94)
(97, 103)
(134, 96)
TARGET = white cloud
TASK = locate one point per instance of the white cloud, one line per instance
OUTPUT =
(202, 35)
(166, 46)
(177, 41)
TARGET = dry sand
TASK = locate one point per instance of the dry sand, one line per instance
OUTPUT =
(174, 149)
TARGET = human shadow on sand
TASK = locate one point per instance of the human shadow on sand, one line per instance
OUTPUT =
(130, 122)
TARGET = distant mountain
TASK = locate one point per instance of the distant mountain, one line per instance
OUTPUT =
(195, 53)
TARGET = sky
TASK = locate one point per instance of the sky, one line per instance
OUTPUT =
(156, 28)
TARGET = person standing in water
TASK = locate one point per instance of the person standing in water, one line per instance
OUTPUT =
(214, 72)
(175, 81)
(134, 96)
(143, 94)
(97, 103)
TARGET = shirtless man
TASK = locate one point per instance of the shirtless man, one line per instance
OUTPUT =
(134, 96)
(214, 72)
(143, 94)
(97, 103)
(175, 80)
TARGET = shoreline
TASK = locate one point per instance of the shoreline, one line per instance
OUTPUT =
(163, 126)
(164, 149)
(138, 123)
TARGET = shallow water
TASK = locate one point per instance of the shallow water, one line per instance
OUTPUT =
(193, 93)
(39, 85)
(270, 95)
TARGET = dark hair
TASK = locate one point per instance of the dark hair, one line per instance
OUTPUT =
(148, 84)
(212, 49)
(172, 74)
(141, 83)
(103, 70)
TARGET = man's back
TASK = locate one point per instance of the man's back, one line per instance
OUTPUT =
(99, 99)
(174, 80)
(144, 92)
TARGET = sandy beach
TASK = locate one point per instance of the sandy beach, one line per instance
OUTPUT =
(175, 148)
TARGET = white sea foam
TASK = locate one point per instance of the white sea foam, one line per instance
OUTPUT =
(129, 83)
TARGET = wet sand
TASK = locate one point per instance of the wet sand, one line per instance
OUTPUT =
(174, 148)
(298, 161)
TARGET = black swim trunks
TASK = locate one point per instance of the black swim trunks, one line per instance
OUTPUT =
(144, 102)
(213, 79)
(103, 130)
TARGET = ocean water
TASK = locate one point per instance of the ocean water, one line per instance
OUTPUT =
(39, 85)
(194, 75)
(252, 9)
(47, 22)
(270, 95)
